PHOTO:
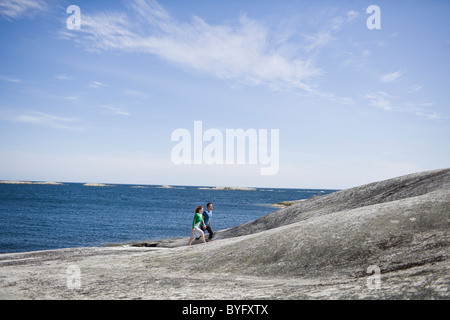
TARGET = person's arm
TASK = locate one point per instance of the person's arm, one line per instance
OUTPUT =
(209, 222)
(194, 221)
(203, 220)
(204, 225)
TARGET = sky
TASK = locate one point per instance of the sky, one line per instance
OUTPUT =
(99, 93)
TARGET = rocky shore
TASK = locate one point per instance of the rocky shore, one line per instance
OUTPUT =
(385, 240)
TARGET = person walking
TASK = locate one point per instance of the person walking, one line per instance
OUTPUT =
(207, 215)
(196, 232)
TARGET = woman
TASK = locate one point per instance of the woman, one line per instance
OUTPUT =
(196, 232)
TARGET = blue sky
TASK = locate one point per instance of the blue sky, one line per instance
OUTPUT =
(99, 104)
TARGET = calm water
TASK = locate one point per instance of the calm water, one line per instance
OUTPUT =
(40, 217)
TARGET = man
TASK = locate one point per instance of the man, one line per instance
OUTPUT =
(207, 215)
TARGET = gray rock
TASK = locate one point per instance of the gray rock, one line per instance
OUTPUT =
(374, 193)
(384, 240)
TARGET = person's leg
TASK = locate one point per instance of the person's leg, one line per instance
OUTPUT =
(211, 233)
(193, 237)
(203, 238)
(197, 234)
(200, 234)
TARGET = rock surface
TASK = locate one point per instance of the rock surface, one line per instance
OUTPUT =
(323, 248)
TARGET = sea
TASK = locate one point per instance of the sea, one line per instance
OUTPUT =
(47, 216)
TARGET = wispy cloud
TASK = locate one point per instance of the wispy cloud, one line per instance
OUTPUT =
(429, 114)
(324, 37)
(9, 79)
(387, 102)
(96, 84)
(114, 110)
(245, 50)
(14, 9)
(422, 109)
(136, 94)
(391, 76)
(48, 120)
(63, 76)
(415, 88)
(72, 98)
(380, 100)
(319, 40)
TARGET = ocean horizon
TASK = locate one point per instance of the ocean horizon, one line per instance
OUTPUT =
(37, 215)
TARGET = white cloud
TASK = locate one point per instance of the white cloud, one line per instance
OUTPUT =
(338, 22)
(352, 14)
(415, 88)
(63, 76)
(391, 76)
(9, 79)
(421, 109)
(96, 84)
(380, 100)
(114, 111)
(14, 9)
(319, 40)
(245, 50)
(394, 35)
(136, 94)
(242, 51)
(72, 98)
(384, 101)
(325, 36)
(47, 120)
(431, 115)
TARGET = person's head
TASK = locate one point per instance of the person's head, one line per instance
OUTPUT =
(199, 209)
(209, 206)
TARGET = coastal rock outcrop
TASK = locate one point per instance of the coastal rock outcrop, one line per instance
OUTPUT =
(399, 188)
(384, 240)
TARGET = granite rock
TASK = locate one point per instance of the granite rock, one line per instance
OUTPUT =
(384, 240)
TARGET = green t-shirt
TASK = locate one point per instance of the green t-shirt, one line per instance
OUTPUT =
(197, 218)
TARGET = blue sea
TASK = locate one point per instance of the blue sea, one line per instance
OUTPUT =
(40, 217)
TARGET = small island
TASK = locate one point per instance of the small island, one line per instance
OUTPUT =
(97, 185)
(31, 182)
(284, 204)
(229, 188)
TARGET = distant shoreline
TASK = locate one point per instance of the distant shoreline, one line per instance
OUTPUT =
(31, 182)
(158, 186)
